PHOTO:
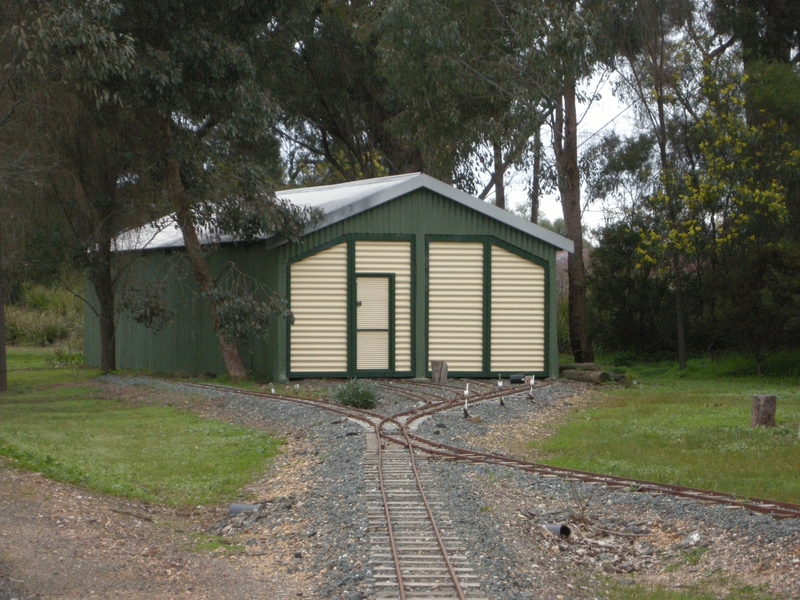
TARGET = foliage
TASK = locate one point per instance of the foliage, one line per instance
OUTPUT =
(759, 301)
(43, 317)
(629, 303)
(562, 324)
(147, 305)
(358, 393)
(335, 104)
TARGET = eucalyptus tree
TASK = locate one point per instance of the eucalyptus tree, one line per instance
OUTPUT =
(197, 83)
(47, 48)
(443, 62)
(335, 106)
(644, 43)
(489, 73)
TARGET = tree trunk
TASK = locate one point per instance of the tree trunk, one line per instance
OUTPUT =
(3, 363)
(234, 365)
(677, 276)
(537, 175)
(586, 376)
(565, 142)
(499, 173)
(104, 288)
(762, 412)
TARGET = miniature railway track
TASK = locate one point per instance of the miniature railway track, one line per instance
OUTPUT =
(443, 451)
(416, 553)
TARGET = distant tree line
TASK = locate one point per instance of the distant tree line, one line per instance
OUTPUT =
(114, 113)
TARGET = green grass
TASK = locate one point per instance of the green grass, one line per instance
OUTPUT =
(640, 592)
(205, 543)
(57, 422)
(686, 428)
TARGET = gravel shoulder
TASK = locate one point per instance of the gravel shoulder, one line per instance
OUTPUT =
(309, 538)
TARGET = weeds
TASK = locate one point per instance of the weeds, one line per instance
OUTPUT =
(43, 317)
(581, 503)
(357, 393)
(687, 557)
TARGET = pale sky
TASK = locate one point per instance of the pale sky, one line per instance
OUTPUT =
(606, 114)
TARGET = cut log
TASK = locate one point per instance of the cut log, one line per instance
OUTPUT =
(586, 376)
(439, 371)
(579, 367)
(763, 411)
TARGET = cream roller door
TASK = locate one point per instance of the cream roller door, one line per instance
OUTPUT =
(318, 297)
(455, 304)
(518, 318)
(372, 323)
(392, 257)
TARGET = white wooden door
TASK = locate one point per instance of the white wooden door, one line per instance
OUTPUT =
(372, 323)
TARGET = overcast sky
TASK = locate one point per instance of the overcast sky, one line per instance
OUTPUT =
(606, 114)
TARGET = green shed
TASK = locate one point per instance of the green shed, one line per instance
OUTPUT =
(398, 272)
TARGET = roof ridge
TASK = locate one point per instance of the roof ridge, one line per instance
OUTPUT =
(346, 184)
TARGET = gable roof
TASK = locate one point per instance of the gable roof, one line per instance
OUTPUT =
(344, 200)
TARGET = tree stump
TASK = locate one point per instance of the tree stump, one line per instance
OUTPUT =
(763, 411)
(439, 371)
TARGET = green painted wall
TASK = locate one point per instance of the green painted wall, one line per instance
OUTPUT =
(188, 345)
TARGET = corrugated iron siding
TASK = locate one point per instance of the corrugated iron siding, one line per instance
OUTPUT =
(189, 344)
(318, 299)
(455, 304)
(518, 319)
(392, 257)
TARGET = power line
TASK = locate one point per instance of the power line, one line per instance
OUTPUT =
(617, 116)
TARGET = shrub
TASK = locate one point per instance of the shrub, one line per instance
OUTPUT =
(43, 317)
(357, 393)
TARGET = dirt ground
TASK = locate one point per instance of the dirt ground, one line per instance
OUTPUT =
(57, 541)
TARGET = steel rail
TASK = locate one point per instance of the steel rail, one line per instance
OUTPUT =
(775, 508)
(389, 529)
(772, 507)
(436, 533)
(368, 417)
(398, 388)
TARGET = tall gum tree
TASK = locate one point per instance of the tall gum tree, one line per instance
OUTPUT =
(197, 80)
(47, 48)
(529, 57)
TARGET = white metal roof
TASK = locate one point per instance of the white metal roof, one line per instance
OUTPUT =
(342, 201)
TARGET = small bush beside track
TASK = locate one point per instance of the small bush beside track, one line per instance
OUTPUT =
(357, 393)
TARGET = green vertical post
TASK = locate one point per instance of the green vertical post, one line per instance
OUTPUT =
(420, 274)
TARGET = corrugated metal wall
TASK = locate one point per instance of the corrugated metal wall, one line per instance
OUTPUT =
(318, 299)
(455, 304)
(392, 257)
(518, 319)
(189, 344)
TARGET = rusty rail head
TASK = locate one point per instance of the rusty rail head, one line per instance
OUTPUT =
(417, 480)
(775, 508)
(389, 529)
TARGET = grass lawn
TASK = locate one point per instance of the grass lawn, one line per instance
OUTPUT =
(690, 428)
(638, 592)
(58, 422)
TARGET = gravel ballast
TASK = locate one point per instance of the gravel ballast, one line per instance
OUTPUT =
(499, 513)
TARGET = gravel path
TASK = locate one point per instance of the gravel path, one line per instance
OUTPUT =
(318, 529)
(499, 514)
